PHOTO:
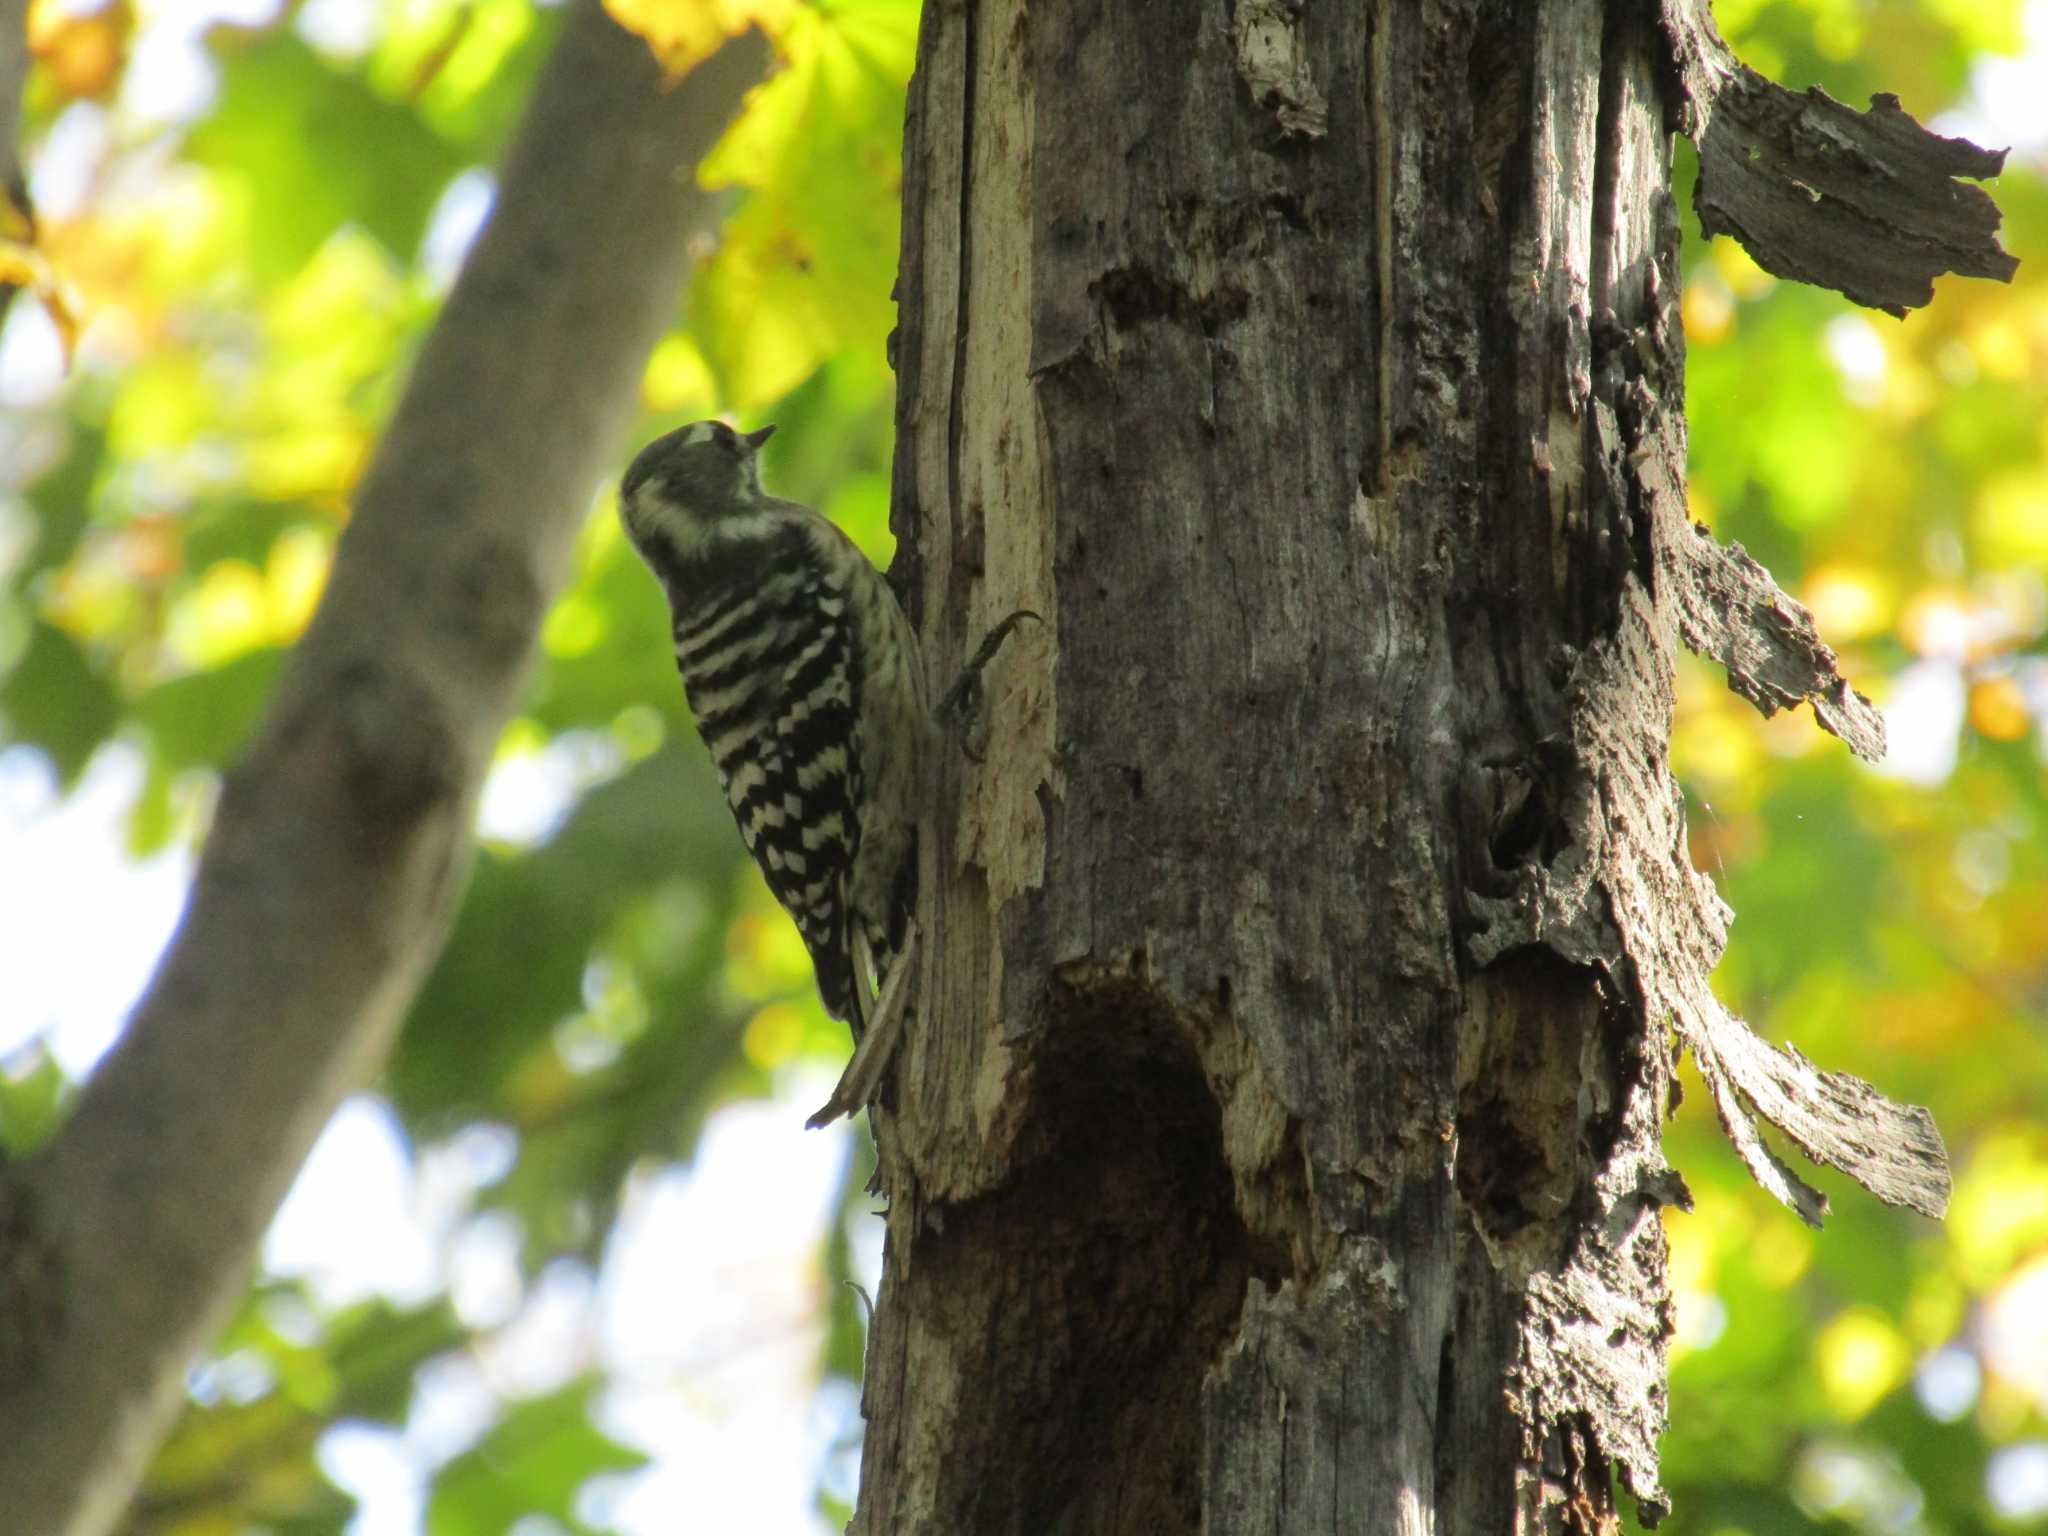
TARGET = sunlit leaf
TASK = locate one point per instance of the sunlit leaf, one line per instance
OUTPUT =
(465, 65)
(23, 266)
(683, 33)
(316, 147)
(1861, 1357)
(805, 268)
(33, 1089)
(82, 51)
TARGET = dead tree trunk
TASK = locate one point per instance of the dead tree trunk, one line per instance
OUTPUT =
(1277, 1147)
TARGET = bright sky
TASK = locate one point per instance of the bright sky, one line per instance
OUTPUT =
(706, 1309)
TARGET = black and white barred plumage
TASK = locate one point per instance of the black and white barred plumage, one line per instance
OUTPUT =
(804, 678)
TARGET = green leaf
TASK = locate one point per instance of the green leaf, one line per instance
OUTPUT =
(153, 817)
(468, 64)
(627, 659)
(531, 922)
(317, 147)
(33, 1092)
(236, 530)
(202, 720)
(805, 268)
(58, 700)
(376, 1347)
(533, 1463)
(62, 500)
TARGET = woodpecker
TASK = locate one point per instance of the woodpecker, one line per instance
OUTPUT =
(807, 687)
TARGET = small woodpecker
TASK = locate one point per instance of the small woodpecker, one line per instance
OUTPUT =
(805, 681)
(807, 686)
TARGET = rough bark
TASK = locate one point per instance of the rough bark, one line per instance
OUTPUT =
(1277, 1146)
(341, 840)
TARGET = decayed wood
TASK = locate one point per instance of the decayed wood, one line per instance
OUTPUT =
(1563, 1096)
(342, 837)
(1276, 1143)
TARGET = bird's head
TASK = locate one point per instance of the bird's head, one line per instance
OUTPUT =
(689, 479)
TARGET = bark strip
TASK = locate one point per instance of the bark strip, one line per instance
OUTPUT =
(1622, 893)
(342, 839)
(1867, 203)
(1729, 609)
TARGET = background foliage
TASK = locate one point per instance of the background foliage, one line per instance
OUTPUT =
(247, 218)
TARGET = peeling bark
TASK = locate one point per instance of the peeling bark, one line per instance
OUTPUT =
(1277, 1142)
(1731, 611)
(1867, 203)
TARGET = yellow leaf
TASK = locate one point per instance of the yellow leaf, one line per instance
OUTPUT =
(677, 377)
(1998, 709)
(772, 1036)
(1780, 1253)
(575, 626)
(1739, 270)
(682, 33)
(16, 227)
(765, 954)
(2000, 1209)
(1848, 602)
(1699, 506)
(2011, 516)
(296, 573)
(1708, 309)
(2002, 347)
(226, 616)
(19, 267)
(1861, 1358)
(320, 463)
(81, 54)
(23, 266)
(1719, 749)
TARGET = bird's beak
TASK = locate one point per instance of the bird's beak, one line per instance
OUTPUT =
(754, 440)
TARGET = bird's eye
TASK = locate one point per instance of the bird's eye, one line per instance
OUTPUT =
(724, 435)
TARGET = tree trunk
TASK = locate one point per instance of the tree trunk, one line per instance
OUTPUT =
(1277, 1146)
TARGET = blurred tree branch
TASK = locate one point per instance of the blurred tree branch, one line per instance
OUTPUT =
(14, 62)
(342, 839)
